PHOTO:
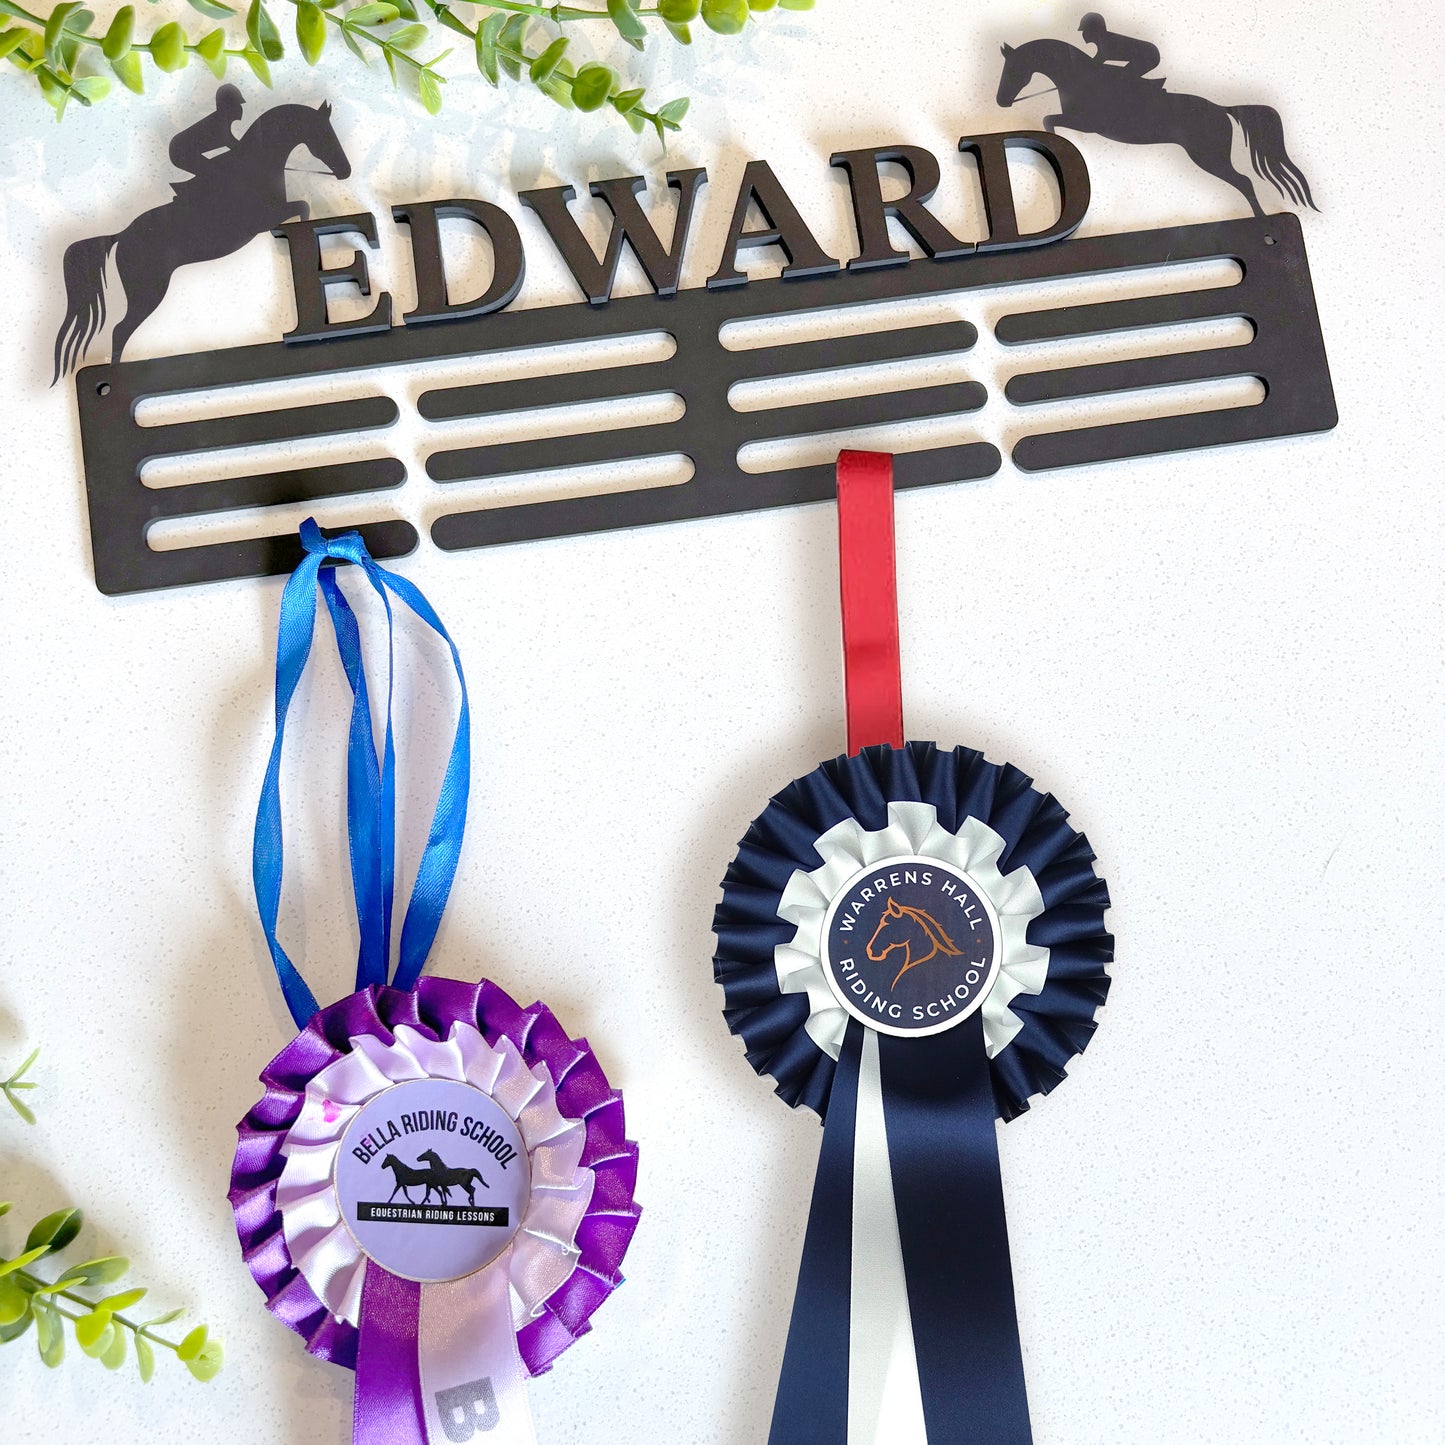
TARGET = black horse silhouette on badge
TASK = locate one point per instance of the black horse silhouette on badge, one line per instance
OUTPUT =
(231, 198)
(1124, 104)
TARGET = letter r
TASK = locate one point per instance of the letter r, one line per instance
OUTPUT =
(458, 1409)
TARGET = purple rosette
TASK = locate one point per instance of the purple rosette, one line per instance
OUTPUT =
(432, 1012)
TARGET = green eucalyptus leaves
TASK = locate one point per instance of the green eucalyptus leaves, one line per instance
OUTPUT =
(527, 43)
(16, 1084)
(100, 1327)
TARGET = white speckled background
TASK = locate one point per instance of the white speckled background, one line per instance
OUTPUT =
(1227, 1225)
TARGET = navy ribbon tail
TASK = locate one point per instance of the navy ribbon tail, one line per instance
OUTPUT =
(812, 1402)
(939, 1112)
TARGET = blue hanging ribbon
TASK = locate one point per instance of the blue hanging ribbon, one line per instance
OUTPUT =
(370, 784)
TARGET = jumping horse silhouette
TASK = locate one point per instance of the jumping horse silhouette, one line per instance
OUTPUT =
(903, 927)
(1103, 100)
(446, 1179)
(407, 1179)
(239, 195)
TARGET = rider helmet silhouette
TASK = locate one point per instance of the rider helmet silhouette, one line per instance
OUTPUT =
(1123, 52)
(190, 148)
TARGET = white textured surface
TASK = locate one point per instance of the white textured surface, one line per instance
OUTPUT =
(1226, 1227)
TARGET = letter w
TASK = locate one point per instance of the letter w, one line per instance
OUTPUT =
(597, 277)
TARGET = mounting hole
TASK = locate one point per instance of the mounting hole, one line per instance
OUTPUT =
(1269, 240)
(103, 389)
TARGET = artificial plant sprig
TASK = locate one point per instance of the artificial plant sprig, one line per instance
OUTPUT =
(68, 63)
(16, 1084)
(101, 1328)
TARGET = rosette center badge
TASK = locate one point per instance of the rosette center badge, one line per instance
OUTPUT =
(451, 1157)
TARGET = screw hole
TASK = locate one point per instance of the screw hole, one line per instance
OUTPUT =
(1269, 240)
(103, 389)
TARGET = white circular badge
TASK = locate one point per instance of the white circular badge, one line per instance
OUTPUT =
(433, 1179)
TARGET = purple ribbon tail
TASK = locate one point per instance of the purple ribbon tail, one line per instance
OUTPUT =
(388, 1408)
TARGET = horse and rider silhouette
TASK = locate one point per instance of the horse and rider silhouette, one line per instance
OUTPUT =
(437, 1178)
(1111, 93)
(227, 199)
(912, 930)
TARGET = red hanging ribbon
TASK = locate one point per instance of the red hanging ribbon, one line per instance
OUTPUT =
(871, 675)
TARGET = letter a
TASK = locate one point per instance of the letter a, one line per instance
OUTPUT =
(458, 1409)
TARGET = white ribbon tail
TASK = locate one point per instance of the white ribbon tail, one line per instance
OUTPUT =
(473, 1382)
(885, 1401)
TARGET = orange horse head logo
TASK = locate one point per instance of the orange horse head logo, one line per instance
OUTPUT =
(912, 930)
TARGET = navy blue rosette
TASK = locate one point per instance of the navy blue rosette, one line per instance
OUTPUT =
(911, 943)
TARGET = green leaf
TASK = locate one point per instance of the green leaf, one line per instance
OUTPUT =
(93, 87)
(96, 1271)
(113, 1356)
(629, 27)
(756, 5)
(145, 1359)
(635, 121)
(118, 38)
(258, 65)
(55, 1231)
(542, 67)
(127, 68)
(14, 1302)
(592, 87)
(164, 1319)
(14, 1331)
(207, 1365)
(20, 1107)
(513, 37)
(310, 31)
(679, 12)
(350, 41)
(262, 32)
(49, 1335)
(191, 1347)
(115, 1303)
(54, 29)
(407, 11)
(487, 33)
(408, 37)
(92, 1332)
(5, 1207)
(627, 100)
(725, 17)
(24, 1068)
(673, 112)
(212, 10)
(451, 21)
(168, 47)
(211, 47)
(376, 14)
(796, 4)
(680, 33)
(8, 1266)
(430, 89)
(10, 40)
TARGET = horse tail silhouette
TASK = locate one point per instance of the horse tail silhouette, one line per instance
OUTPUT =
(1264, 135)
(85, 293)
